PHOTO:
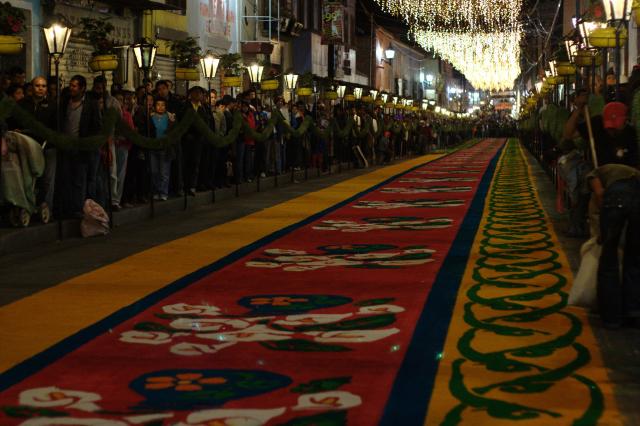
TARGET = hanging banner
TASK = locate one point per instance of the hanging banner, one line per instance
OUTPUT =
(332, 23)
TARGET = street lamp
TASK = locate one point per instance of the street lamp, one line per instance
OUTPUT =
(429, 80)
(291, 80)
(209, 64)
(390, 53)
(357, 92)
(57, 36)
(373, 93)
(572, 49)
(145, 53)
(617, 10)
(255, 73)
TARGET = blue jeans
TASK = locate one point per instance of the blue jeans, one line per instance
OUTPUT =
(620, 299)
(160, 172)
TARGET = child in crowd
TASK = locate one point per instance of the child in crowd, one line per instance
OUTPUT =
(161, 159)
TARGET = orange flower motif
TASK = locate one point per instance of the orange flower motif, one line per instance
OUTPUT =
(329, 401)
(187, 382)
(276, 301)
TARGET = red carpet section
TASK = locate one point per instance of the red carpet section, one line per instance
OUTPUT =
(308, 327)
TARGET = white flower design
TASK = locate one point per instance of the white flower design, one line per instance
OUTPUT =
(147, 418)
(186, 309)
(232, 417)
(196, 349)
(63, 421)
(208, 324)
(380, 309)
(269, 265)
(276, 252)
(52, 396)
(352, 336)
(146, 337)
(312, 319)
(255, 333)
(333, 400)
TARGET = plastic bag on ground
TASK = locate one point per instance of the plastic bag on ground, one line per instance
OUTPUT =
(95, 221)
(584, 290)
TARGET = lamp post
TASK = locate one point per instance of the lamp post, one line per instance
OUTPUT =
(340, 91)
(255, 76)
(357, 93)
(145, 53)
(209, 65)
(617, 12)
(255, 73)
(57, 36)
(390, 53)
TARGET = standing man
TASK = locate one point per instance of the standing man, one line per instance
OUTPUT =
(107, 102)
(616, 189)
(81, 118)
(192, 141)
(44, 112)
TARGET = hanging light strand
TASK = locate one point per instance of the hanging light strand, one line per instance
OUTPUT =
(489, 61)
(457, 15)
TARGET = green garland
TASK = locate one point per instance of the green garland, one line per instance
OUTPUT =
(113, 123)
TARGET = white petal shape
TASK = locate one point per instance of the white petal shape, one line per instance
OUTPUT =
(60, 421)
(332, 400)
(255, 333)
(186, 309)
(193, 349)
(380, 309)
(146, 418)
(209, 324)
(233, 417)
(284, 251)
(310, 319)
(145, 337)
(52, 396)
(355, 336)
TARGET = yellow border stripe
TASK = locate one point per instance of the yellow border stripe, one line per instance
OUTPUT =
(35, 323)
(570, 399)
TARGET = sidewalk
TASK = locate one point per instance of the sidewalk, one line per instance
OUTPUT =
(33, 258)
(620, 348)
(14, 240)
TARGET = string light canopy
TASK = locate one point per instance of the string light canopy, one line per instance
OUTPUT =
(489, 61)
(456, 15)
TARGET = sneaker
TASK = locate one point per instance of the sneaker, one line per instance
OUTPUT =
(115, 207)
(262, 175)
(156, 197)
(163, 198)
(192, 192)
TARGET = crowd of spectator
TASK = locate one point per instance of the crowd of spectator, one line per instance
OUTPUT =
(122, 174)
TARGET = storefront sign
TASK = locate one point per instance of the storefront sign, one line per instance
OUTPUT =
(332, 23)
(216, 17)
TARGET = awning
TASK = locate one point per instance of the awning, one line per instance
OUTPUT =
(146, 4)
